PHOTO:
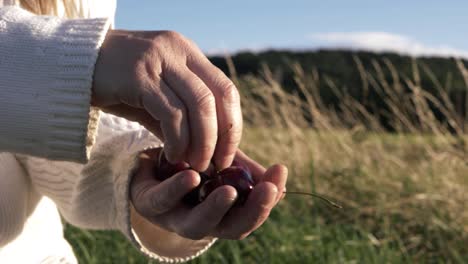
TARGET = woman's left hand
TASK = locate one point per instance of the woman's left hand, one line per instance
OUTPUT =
(160, 202)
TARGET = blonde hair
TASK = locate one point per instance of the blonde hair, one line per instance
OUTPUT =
(72, 8)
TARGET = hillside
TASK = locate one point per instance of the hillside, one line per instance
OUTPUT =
(358, 74)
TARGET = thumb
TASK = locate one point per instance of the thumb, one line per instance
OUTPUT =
(151, 197)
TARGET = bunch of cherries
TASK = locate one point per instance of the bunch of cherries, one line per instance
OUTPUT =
(237, 175)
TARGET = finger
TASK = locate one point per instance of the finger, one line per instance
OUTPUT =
(241, 221)
(152, 198)
(257, 170)
(228, 108)
(278, 175)
(200, 104)
(204, 218)
(164, 105)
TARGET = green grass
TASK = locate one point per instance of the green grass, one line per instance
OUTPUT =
(297, 232)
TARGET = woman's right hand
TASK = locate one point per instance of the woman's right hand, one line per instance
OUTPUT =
(163, 81)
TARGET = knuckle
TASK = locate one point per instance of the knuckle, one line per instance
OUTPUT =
(167, 40)
(232, 139)
(172, 35)
(228, 92)
(205, 102)
(176, 114)
(202, 155)
(190, 42)
(205, 151)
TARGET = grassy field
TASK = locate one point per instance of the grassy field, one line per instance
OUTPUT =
(404, 194)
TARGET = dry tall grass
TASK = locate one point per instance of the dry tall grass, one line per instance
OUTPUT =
(410, 185)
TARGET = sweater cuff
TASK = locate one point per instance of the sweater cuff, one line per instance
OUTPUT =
(74, 123)
(163, 245)
(46, 83)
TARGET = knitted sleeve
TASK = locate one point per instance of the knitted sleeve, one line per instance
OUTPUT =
(17, 199)
(96, 195)
(46, 68)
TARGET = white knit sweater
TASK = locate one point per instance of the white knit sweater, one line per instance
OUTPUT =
(66, 157)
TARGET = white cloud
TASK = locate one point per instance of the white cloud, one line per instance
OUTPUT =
(383, 41)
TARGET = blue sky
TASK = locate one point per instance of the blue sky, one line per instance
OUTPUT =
(414, 27)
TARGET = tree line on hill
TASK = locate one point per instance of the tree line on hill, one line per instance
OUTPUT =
(343, 67)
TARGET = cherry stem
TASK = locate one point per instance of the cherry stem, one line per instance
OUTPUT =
(330, 203)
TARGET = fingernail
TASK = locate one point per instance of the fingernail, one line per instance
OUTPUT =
(280, 195)
(224, 199)
(224, 162)
(188, 180)
(275, 194)
(200, 165)
(275, 189)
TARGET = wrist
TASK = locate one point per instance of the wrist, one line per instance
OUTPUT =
(115, 71)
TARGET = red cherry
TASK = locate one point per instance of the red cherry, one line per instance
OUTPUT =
(207, 188)
(236, 177)
(236, 163)
(240, 179)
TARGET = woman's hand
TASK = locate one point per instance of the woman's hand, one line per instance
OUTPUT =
(163, 81)
(160, 202)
